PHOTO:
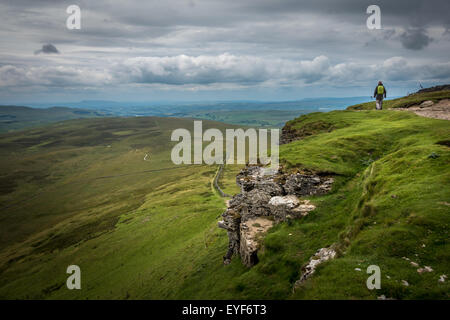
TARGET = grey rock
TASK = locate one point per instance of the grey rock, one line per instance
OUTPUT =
(427, 103)
(322, 255)
(306, 185)
(269, 196)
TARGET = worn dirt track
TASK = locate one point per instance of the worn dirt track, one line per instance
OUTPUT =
(439, 110)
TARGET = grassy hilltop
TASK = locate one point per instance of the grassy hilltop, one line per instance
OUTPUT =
(405, 102)
(79, 192)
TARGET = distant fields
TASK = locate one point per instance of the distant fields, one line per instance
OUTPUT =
(254, 118)
(243, 113)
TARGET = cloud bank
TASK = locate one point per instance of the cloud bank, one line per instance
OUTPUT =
(225, 68)
(256, 46)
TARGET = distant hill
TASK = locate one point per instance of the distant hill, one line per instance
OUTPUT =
(18, 117)
(243, 113)
(436, 88)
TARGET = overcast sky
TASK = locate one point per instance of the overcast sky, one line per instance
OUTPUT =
(219, 49)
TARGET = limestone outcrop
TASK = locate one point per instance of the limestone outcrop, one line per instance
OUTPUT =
(266, 198)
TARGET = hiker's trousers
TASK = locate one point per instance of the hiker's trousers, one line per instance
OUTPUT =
(379, 104)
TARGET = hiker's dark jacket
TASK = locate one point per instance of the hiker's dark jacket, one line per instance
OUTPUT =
(379, 96)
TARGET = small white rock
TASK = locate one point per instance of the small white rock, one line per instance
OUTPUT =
(357, 269)
(442, 278)
(426, 103)
(415, 264)
(423, 245)
(405, 283)
(426, 269)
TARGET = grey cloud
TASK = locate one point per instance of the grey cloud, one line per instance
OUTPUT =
(266, 23)
(52, 76)
(415, 39)
(182, 42)
(47, 49)
(179, 72)
(398, 12)
(224, 68)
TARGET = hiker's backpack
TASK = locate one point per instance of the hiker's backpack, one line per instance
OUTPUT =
(380, 89)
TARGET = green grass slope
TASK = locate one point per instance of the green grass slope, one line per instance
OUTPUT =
(139, 235)
(389, 202)
(79, 192)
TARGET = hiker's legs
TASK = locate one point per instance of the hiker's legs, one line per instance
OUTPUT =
(379, 104)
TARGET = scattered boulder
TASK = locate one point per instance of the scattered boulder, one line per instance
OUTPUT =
(322, 255)
(427, 103)
(425, 269)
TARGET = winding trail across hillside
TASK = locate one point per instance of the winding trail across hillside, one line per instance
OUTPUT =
(428, 109)
(215, 181)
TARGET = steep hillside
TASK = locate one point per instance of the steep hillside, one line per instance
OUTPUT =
(391, 202)
(388, 207)
(102, 194)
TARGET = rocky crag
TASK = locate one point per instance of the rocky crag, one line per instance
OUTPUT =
(266, 199)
